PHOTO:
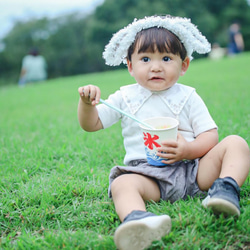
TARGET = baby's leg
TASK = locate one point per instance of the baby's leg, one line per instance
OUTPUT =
(222, 170)
(139, 228)
(230, 157)
(129, 191)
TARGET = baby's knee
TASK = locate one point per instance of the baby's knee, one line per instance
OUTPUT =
(235, 140)
(126, 183)
(118, 183)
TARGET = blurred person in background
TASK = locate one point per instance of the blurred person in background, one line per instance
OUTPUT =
(217, 52)
(34, 68)
(236, 41)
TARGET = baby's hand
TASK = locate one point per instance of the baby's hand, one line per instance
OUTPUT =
(90, 94)
(173, 151)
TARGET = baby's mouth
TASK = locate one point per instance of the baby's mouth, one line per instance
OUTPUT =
(155, 78)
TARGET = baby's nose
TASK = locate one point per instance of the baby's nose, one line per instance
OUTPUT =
(156, 66)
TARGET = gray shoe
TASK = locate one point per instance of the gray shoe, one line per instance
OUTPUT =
(223, 197)
(139, 229)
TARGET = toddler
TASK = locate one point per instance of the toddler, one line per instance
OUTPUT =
(157, 51)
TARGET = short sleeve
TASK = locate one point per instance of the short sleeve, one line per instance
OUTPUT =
(199, 116)
(107, 115)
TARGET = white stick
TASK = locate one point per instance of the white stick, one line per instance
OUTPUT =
(126, 114)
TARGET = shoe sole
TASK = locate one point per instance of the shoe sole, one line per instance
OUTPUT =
(139, 234)
(222, 206)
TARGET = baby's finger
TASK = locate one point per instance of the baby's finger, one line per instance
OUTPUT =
(168, 161)
(92, 93)
(97, 96)
(81, 91)
(169, 143)
(86, 91)
(165, 150)
(165, 155)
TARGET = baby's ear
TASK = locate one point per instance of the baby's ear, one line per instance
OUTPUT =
(130, 68)
(185, 65)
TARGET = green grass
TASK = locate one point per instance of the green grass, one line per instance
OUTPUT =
(54, 176)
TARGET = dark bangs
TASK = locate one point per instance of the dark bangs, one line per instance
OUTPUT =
(152, 39)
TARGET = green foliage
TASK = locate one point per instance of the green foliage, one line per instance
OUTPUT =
(74, 44)
(54, 176)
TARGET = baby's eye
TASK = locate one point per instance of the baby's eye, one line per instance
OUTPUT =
(166, 59)
(145, 59)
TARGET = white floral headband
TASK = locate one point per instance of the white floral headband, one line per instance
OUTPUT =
(116, 50)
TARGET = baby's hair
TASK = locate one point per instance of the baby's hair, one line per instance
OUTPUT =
(152, 39)
(174, 34)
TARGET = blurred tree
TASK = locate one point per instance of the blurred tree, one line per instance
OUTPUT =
(74, 44)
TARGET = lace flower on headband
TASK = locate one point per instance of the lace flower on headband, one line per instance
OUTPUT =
(116, 50)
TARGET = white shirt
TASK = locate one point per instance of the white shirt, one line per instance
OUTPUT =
(35, 67)
(179, 101)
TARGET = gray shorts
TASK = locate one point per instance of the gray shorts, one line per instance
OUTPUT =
(175, 181)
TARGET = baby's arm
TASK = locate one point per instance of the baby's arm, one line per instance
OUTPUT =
(181, 149)
(87, 111)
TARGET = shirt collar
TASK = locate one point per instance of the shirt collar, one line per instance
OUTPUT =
(175, 97)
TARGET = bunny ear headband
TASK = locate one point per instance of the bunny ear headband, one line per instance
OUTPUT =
(116, 50)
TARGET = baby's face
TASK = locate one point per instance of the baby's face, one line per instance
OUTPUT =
(156, 71)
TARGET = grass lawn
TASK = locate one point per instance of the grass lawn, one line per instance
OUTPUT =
(54, 176)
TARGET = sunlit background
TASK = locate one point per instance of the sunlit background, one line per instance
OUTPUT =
(71, 34)
(12, 11)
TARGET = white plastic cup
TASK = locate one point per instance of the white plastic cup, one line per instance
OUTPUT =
(166, 128)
